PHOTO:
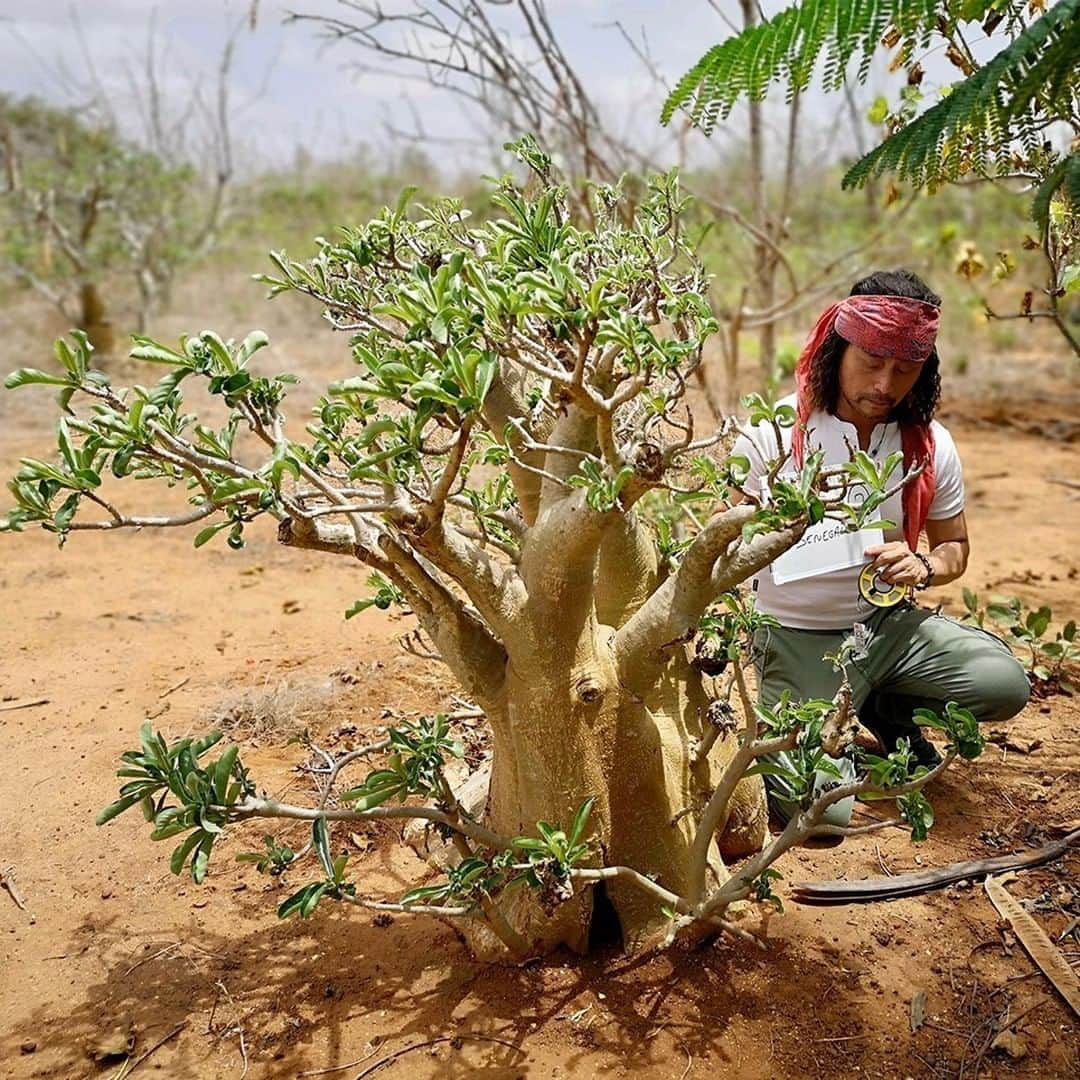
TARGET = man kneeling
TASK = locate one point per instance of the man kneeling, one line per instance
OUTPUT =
(868, 378)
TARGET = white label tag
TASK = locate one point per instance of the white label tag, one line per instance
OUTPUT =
(825, 548)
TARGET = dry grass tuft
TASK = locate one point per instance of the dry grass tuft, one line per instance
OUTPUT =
(278, 711)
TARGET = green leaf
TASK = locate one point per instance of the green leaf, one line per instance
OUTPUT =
(1038, 622)
(118, 807)
(296, 902)
(156, 353)
(439, 330)
(31, 376)
(121, 462)
(255, 341)
(171, 828)
(577, 827)
(183, 850)
(207, 534)
(201, 863)
(222, 773)
(402, 203)
(427, 893)
(201, 745)
(320, 839)
(362, 799)
(918, 813)
(311, 901)
(236, 485)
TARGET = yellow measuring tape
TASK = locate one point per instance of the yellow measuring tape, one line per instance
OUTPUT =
(874, 589)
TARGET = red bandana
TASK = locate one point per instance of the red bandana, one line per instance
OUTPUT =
(895, 326)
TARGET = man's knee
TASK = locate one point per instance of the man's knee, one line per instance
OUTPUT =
(1003, 687)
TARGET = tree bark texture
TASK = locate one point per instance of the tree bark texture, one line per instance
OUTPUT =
(566, 728)
(94, 319)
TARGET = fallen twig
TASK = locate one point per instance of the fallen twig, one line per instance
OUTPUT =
(8, 706)
(689, 1062)
(176, 686)
(431, 1042)
(339, 1068)
(154, 956)
(7, 881)
(243, 1052)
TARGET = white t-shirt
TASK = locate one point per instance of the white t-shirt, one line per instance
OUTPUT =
(830, 600)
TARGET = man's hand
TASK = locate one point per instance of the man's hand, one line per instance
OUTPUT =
(896, 564)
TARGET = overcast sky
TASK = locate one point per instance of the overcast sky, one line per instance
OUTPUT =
(293, 89)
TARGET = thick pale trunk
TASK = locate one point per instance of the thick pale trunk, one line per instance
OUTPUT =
(565, 739)
(94, 319)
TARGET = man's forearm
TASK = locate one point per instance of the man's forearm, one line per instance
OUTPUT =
(949, 560)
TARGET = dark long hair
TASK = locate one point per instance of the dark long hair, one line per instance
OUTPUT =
(823, 382)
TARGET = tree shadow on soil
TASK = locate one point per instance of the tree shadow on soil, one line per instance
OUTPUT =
(314, 994)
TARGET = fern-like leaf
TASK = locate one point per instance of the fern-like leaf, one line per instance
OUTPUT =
(1011, 98)
(789, 45)
(1008, 102)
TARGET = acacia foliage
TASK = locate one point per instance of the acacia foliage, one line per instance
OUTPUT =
(1030, 84)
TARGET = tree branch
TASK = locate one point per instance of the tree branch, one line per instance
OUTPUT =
(252, 807)
(708, 568)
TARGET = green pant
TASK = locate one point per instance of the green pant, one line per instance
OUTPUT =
(915, 659)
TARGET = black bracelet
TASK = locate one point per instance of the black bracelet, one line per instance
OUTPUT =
(929, 580)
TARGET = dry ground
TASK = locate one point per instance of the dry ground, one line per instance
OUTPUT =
(106, 628)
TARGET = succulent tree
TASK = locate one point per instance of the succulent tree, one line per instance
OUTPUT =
(86, 214)
(517, 465)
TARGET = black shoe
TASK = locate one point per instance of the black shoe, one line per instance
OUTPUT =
(923, 750)
(888, 731)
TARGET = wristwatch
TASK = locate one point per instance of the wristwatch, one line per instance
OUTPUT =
(929, 579)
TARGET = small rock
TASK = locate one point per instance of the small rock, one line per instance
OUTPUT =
(115, 1043)
(1010, 1043)
(106, 893)
(27, 1047)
